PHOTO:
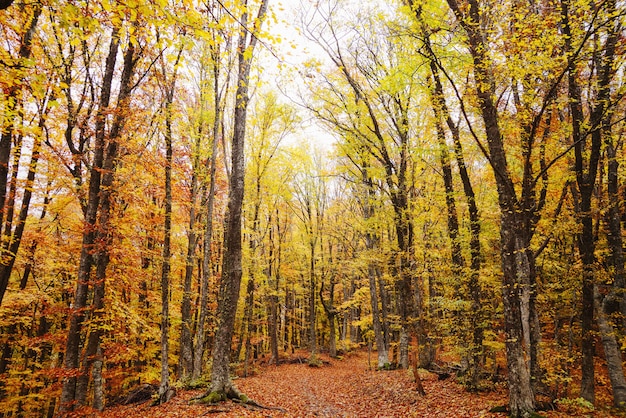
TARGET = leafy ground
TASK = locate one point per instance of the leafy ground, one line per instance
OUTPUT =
(342, 388)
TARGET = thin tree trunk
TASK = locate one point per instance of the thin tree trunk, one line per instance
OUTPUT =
(473, 284)
(312, 298)
(13, 243)
(372, 242)
(185, 361)
(273, 275)
(587, 156)
(165, 392)
(206, 261)
(614, 235)
(13, 101)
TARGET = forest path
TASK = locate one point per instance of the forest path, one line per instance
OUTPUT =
(339, 388)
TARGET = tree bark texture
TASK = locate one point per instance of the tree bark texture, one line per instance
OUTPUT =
(232, 268)
(515, 263)
(587, 137)
(8, 120)
(97, 230)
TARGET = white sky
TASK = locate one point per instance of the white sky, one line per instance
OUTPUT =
(293, 51)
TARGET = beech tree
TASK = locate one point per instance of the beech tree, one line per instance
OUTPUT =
(221, 385)
(214, 81)
(97, 211)
(591, 127)
(15, 77)
(521, 191)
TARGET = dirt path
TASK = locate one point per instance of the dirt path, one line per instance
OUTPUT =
(340, 388)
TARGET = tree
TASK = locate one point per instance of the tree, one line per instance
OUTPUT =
(217, 70)
(379, 121)
(310, 202)
(271, 122)
(221, 384)
(588, 134)
(473, 287)
(14, 86)
(165, 392)
(519, 199)
(96, 235)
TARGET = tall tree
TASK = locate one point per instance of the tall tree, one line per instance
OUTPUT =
(378, 119)
(522, 190)
(14, 84)
(97, 234)
(169, 87)
(590, 118)
(221, 385)
(310, 202)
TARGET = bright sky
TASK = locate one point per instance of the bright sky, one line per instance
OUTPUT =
(293, 51)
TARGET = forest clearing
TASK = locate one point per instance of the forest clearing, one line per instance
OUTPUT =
(193, 190)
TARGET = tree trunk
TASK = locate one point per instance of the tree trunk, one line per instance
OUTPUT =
(208, 232)
(611, 351)
(12, 244)
(72, 348)
(273, 275)
(516, 274)
(586, 164)
(221, 384)
(312, 298)
(13, 100)
(384, 309)
(614, 235)
(165, 392)
(185, 361)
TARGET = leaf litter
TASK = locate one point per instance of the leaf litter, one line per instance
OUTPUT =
(340, 388)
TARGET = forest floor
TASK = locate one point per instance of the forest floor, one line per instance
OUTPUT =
(344, 387)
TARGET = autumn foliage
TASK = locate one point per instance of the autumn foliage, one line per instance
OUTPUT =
(318, 199)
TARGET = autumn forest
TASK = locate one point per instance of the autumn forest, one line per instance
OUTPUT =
(189, 189)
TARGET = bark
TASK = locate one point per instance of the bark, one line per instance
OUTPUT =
(513, 236)
(473, 285)
(77, 315)
(98, 382)
(612, 351)
(384, 309)
(28, 268)
(13, 107)
(104, 232)
(312, 295)
(165, 391)
(379, 336)
(587, 139)
(331, 314)
(5, 4)
(14, 238)
(457, 259)
(247, 327)
(206, 274)
(208, 231)
(185, 361)
(221, 383)
(614, 235)
(273, 269)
